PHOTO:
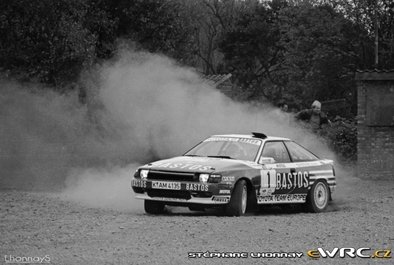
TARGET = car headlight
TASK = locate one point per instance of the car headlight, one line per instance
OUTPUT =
(204, 178)
(144, 173)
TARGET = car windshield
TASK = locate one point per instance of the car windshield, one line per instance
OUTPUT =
(227, 147)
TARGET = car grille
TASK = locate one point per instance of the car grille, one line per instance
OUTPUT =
(165, 175)
(179, 194)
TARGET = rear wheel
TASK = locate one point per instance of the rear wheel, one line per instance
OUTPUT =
(153, 207)
(239, 200)
(317, 200)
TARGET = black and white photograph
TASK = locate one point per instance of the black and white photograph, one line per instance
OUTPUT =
(196, 132)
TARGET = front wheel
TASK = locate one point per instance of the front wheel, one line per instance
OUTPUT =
(153, 207)
(239, 200)
(317, 200)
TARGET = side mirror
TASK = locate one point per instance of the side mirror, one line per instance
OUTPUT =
(266, 160)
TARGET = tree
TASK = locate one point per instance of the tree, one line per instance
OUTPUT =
(299, 52)
(52, 41)
(375, 20)
(320, 56)
(252, 48)
(45, 39)
(154, 25)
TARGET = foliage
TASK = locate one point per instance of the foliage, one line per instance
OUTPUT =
(376, 17)
(207, 22)
(251, 49)
(155, 25)
(291, 50)
(342, 137)
(319, 58)
(43, 38)
(53, 40)
(297, 52)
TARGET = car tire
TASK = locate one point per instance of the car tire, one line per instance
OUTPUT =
(153, 207)
(238, 201)
(318, 197)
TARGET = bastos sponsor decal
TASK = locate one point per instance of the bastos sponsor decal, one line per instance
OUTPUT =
(278, 182)
(138, 183)
(292, 180)
(196, 187)
(187, 166)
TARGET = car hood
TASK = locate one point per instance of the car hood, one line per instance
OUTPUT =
(201, 164)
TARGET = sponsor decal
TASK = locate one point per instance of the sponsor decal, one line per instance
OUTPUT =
(224, 191)
(188, 166)
(266, 191)
(250, 141)
(282, 198)
(166, 185)
(292, 180)
(138, 183)
(280, 181)
(228, 178)
(234, 139)
(220, 198)
(169, 199)
(222, 139)
(196, 187)
(349, 252)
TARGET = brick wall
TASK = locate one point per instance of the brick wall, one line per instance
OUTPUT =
(375, 154)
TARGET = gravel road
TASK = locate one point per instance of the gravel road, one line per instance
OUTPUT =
(36, 224)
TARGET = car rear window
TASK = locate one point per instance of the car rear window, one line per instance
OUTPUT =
(299, 153)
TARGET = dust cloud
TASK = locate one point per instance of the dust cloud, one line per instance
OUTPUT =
(140, 107)
(102, 188)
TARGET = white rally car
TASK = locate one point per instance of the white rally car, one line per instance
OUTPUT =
(237, 172)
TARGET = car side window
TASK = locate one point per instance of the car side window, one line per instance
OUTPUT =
(299, 153)
(277, 151)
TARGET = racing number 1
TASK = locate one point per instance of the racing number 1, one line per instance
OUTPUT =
(268, 178)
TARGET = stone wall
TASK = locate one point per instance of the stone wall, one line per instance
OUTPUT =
(375, 126)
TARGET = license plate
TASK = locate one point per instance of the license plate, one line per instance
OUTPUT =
(166, 185)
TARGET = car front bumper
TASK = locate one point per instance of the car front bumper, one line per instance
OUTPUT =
(182, 192)
(194, 200)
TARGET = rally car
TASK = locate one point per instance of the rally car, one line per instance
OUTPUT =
(237, 172)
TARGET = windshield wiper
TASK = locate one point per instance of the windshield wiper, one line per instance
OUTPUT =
(191, 155)
(227, 157)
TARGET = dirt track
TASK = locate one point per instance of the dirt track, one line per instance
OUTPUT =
(39, 224)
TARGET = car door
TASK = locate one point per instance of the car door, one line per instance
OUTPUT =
(275, 182)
